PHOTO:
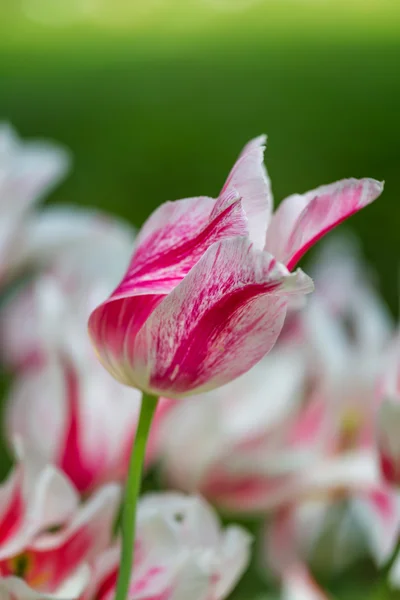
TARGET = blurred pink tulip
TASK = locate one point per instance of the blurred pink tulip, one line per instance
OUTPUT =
(79, 417)
(300, 425)
(90, 419)
(34, 560)
(203, 300)
(181, 553)
(82, 255)
(28, 170)
(348, 520)
(231, 441)
(349, 328)
(35, 497)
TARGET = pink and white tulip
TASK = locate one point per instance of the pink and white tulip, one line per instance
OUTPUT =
(82, 254)
(90, 419)
(28, 171)
(181, 552)
(349, 328)
(231, 439)
(35, 497)
(299, 425)
(203, 299)
(79, 418)
(34, 560)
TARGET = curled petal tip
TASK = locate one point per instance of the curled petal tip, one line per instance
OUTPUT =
(373, 189)
(298, 282)
(260, 140)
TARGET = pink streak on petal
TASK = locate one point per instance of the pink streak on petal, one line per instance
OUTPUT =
(247, 494)
(107, 585)
(116, 323)
(57, 564)
(301, 220)
(310, 424)
(72, 462)
(388, 468)
(224, 316)
(333, 205)
(12, 517)
(383, 503)
(58, 555)
(166, 255)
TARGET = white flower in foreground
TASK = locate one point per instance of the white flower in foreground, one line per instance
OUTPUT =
(181, 552)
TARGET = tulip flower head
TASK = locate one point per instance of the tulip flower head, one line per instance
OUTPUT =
(205, 295)
(78, 417)
(181, 552)
(47, 539)
(81, 256)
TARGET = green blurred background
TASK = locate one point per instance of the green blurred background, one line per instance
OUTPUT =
(155, 98)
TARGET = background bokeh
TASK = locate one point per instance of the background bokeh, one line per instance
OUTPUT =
(155, 98)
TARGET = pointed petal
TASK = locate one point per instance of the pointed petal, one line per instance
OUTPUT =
(36, 496)
(301, 220)
(222, 319)
(249, 178)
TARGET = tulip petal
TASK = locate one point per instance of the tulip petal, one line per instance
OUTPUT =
(36, 496)
(301, 220)
(236, 552)
(57, 556)
(249, 177)
(11, 506)
(174, 238)
(31, 168)
(216, 324)
(112, 324)
(89, 418)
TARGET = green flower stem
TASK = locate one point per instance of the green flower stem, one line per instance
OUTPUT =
(132, 491)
